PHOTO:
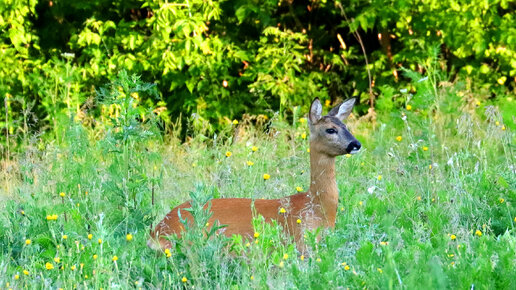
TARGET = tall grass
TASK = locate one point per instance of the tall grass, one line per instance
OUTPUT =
(428, 203)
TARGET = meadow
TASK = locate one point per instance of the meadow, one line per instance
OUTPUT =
(428, 203)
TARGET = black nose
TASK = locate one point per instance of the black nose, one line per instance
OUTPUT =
(354, 146)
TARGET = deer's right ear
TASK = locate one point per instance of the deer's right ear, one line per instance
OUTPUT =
(315, 111)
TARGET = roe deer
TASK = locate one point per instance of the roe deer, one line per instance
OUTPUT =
(315, 208)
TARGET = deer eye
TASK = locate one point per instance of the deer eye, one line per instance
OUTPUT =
(331, 131)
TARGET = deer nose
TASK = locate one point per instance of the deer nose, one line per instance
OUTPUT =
(354, 147)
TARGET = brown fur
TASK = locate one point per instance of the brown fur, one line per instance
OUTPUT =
(315, 208)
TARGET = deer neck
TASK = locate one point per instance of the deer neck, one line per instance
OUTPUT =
(323, 186)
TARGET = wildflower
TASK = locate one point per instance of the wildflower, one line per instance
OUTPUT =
(248, 244)
(57, 259)
(327, 103)
(478, 233)
(207, 224)
(235, 122)
(168, 253)
(302, 120)
(425, 148)
(478, 103)
(346, 267)
(497, 123)
(379, 270)
(380, 177)
(28, 242)
(501, 200)
(115, 258)
(95, 256)
(318, 260)
(362, 164)
(308, 150)
(26, 273)
(90, 236)
(225, 83)
(73, 267)
(384, 243)
(266, 176)
(250, 163)
(49, 266)
(299, 189)
(285, 256)
(22, 212)
(52, 217)
(281, 264)
(228, 153)
(348, 155)
(65, 237)
(298, 221)
(16, 277)
(99, 241)
(302, 258)
(62, 194)
(256, 234)
(252, 277)
(408, 107)
(503, 128)
(360, 203)
(399, 138)
(184, 280)
(129, 237)
(303, 136)
(254, 148)
(282, 210)
(343, 264)
(418, 198)
(453, 237)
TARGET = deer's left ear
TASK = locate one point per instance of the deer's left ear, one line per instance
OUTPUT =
(343, 110)
(315, 111)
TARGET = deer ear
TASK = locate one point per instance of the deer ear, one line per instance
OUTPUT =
(343, 110)
(315, 111)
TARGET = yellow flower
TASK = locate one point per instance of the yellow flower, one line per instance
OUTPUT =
(360, 203)
(256, 234)
(453, 237)
(52, 217)
(129, 237)
(418, 198)
(299, 189)
(248, 244)
(384, 243)
(302, 120)
(346, 267)
(501, 200)
(303, 136)
(228, 153)
(254, 148)
(22, 212)
(399, 138)
(380, 177)
(49, 266)
(478, 233)
(503, 128)
(281, 264)
(250, 163)
(327, 103)
(409, 107)
(318, 260)
(285, 256)
(28, 242)
(99, 241)
(425, 148)
(16, 277)
(168, 253)
(115, 258)
(302, 258)
(282, 210)
(57, 259)
(252, 277)
(73, 268)
(90, 236)
(298, 221)
(497, 123)
(308, 150)
(62, 194)
(95, 256)
(26, 273)
(348, 155)
(380, 270)
(65, 237)
(266, 176)
(184, 280)
(235, 122)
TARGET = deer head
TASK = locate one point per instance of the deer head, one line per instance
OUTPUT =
(328, 135)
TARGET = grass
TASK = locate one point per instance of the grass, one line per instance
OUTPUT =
(428, 203)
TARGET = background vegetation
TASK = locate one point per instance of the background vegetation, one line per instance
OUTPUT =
(114, 112)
